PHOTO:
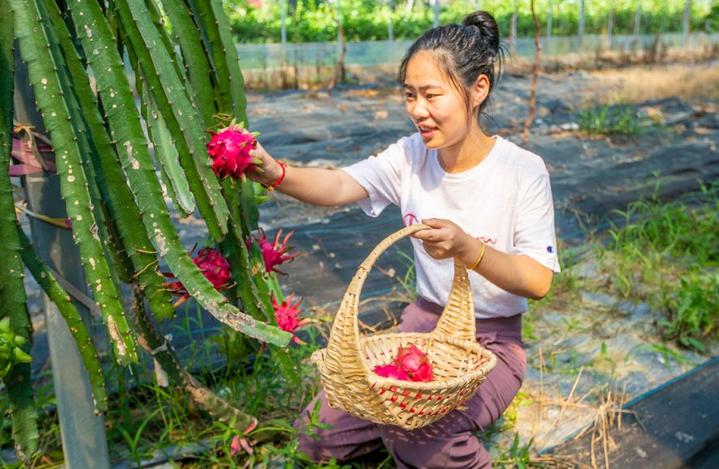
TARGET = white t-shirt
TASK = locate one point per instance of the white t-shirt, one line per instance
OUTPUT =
(506, 201)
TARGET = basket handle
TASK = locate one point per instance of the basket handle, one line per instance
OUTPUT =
(345, 329)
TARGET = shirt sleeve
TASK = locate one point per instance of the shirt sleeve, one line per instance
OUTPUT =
(534, 233)
(380, 176)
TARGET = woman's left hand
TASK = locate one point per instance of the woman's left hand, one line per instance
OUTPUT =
(445, 239)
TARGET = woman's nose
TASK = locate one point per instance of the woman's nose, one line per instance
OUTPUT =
(418, 109)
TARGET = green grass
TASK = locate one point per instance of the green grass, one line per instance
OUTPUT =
(606, 120)
(693, 309)
(667, 254)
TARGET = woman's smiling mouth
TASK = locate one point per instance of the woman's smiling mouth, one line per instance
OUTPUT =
(427, 131)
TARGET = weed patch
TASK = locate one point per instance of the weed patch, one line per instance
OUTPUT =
(667, 254)
(606, 120)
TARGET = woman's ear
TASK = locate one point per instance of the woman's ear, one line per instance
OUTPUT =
(480, 90)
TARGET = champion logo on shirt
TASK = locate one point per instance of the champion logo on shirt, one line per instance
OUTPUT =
(550, 249)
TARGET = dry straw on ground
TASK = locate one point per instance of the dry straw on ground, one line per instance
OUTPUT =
(693, 83)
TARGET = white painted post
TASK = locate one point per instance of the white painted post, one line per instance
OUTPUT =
(513, 27)
(610, 24)
(283, 23)
(390, 27)
(685, 21)
(550, 11)
(580, 30)
(637, 20)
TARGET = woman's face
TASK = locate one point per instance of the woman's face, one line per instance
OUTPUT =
(435, 106)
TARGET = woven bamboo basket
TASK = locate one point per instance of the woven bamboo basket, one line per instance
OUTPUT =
(459, 363)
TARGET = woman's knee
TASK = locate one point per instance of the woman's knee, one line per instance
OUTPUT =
(435, 450)
(326, 433)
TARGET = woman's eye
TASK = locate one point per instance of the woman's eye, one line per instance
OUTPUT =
(409, 96)
(431, 95)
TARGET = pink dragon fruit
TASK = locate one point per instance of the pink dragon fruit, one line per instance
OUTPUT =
(391, 371)
(230, 151)
(275, 253)
(213, 266)
(287, 316)
(414, 362)
(410, 364)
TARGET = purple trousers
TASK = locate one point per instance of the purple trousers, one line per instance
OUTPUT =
(448, 443)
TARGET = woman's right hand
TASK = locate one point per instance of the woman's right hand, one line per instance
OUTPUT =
(267, 170)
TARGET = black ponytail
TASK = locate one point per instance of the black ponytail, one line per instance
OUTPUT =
(465, 51)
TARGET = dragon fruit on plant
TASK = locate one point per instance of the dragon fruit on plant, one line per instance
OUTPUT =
(287, 316)
(230, 150)
(213, 266)
(10, 351)
(276, 252)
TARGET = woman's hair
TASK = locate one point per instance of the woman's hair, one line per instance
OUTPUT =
(464, 52)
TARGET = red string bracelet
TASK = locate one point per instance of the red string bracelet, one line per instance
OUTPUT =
(279, 180)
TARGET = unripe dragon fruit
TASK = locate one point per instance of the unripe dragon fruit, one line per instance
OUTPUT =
(11, 352)
(275, 253)
(230, 151)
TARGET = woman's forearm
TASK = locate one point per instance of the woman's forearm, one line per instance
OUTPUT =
(321, 186)
(517, 274)
(317, 186)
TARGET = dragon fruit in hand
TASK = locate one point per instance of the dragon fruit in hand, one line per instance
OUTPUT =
(230, 151)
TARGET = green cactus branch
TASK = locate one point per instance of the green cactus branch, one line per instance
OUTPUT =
(83, 138)
(167, 156)
(62, 300)
(115, 192)
(12, 291)
(155, 15)
(176, 164)
(124, 122)
(181, 117)
(210, 18)
(228, 52)
(91, 135)
(36, 51)
(195, 59)
(241, 195)
(162, 351)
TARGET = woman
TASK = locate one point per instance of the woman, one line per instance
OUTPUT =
(488, 203)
